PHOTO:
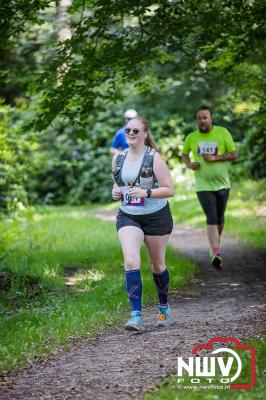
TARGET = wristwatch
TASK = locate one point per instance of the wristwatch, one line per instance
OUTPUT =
(148, 193)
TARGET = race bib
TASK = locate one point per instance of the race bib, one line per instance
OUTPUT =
(207, 148)
(126, 200)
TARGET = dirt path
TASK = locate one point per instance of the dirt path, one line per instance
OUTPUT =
(122, 365)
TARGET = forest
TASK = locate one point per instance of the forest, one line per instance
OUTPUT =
(69, 70)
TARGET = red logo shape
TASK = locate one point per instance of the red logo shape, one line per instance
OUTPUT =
(238, 345)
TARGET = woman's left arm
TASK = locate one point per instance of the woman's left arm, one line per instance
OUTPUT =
(162, 174)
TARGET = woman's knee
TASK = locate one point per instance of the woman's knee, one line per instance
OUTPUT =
(132, 262)
(157, 266)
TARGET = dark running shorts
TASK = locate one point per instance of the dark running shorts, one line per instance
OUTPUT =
(214, 205)
(158, 223)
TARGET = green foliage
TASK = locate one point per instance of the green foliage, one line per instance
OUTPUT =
(16, 149)
(74, 164)
(253, 152)
(164, 59)
(21, 49)
(16, 14)
(105, 53)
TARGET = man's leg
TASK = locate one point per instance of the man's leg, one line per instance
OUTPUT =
(220, 229)
(213, 236)
(222, 198)
(208, 201)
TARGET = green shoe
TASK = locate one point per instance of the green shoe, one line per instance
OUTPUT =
(135, 323)
(164, 317)
(217, 261)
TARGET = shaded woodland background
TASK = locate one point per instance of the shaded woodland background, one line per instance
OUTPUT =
(69, 69)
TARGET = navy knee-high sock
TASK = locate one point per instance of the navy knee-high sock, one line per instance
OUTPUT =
(162, 282)
(134, 288)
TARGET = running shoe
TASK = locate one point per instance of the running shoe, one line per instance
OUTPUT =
(164, 317)
(217, 261)
(135, 323)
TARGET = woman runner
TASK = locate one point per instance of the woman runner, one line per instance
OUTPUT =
(143, 183)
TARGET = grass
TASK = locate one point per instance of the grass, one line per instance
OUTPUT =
(168, 389)
(38, 312)
(246, 199)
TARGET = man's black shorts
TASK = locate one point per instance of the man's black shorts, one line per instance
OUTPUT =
(213, 204)
(158, 223)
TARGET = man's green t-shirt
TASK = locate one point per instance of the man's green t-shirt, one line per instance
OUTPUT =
(211, 176)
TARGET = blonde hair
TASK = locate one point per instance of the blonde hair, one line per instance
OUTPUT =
(149, 139)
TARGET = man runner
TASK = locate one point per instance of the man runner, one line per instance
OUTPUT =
(212, 147)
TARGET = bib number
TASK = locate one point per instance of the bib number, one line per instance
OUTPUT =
(207, 148)
(126, 200)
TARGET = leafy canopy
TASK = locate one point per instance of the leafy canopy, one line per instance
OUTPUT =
(116, 42)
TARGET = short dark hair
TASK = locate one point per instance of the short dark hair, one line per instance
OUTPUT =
(202, 108)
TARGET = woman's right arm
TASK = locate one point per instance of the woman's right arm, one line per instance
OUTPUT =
(116, 193)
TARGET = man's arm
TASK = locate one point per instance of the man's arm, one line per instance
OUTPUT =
(230, 150)
(189, 164)
(223, 157)
(185, 156)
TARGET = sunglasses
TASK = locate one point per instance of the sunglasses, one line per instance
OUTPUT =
(135, 131)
